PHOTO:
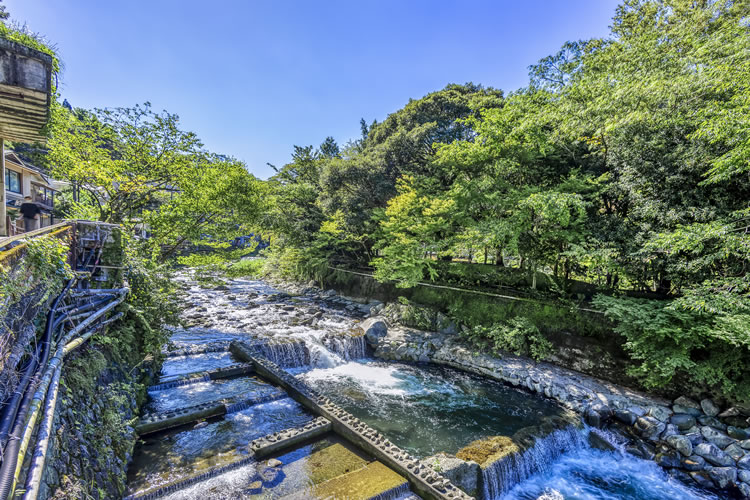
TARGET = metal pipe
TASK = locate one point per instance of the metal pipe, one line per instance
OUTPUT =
(10, 411)
(8, 472)
(94, 291)
(38, 462)
(84, 337)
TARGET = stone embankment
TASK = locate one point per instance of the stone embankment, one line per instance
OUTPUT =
(696, 441)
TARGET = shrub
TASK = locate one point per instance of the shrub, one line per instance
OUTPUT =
(669, 342)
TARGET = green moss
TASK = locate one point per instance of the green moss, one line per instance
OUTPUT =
(362, 484)
(488, 450)
(23, 36)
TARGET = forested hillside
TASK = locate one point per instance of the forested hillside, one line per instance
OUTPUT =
(618, 176)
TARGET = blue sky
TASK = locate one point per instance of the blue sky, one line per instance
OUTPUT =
(254, 78)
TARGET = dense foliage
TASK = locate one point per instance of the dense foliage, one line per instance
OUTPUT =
(622, 168)
(136, 167)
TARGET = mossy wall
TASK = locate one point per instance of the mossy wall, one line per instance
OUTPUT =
(102, 387)
(582, 340)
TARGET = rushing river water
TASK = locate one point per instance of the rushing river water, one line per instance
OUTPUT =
(423, 409)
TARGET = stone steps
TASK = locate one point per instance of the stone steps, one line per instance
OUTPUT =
(288, 438)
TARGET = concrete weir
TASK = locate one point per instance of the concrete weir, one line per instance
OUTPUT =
(237, 370)
(288, 438)
(158, 422)
(423, 480)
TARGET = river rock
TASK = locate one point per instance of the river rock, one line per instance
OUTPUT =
(744, 463)
(735, 451)
(745, 444)
(641, 449)
(737, 433)
(740, 421)
(710, 408)
(626, 416)
(693, 463)
(670, 430)
(687, 403)
(716, 437)
(660, 413)
(649, 427)
(730, 412)
(713, 454)
(683, 421)
(744, 488)
(681, 444)
(273, 462)
(723, 477)
(679, 475)
(743, 475)
(712, 422)
(669, 460)
(597, 441)
(254, 488)
(702, 478)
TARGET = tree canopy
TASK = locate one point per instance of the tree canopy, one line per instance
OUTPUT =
(621, 167)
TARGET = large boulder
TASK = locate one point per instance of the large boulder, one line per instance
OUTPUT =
(660, 413)
(688, 406)
(737, 433)
(375, 329)
(464, 474)
(693, 463)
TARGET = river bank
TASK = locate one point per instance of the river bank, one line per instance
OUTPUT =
(695, 441)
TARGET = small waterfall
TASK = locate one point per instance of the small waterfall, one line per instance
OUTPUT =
(291, 354)
(179, 383)
(191, 351)
(247, 403)
(501, 476)
(394, 493)
(348, 347)
(184, 483)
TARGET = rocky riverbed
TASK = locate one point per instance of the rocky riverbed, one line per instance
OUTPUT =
(697, 442)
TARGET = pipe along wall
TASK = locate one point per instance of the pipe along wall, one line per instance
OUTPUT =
(28, 413)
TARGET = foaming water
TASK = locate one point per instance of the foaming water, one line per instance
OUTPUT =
(427, 409)
(203, 392)
(181, 365)
(294, 331)
(173, 455)
(500, 476)
(590, 474)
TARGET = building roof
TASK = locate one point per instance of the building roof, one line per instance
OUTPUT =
(13, 158)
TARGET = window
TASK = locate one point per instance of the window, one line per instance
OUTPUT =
(12, 181)
(42, 194)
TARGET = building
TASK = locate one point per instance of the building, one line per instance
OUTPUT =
(21, 180)
(25, 98)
